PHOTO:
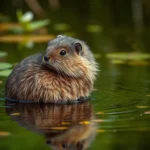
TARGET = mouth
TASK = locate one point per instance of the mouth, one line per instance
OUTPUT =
(55, 66)
(47, 63)
(51, 66)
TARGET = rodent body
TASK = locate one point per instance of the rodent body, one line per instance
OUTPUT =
(65, 72)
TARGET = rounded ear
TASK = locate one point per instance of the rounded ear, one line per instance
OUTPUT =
(78, 47)
(59, 36)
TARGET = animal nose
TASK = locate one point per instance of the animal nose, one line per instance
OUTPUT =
(46, 58)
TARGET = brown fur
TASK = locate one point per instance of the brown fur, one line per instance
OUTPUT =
(62, 78)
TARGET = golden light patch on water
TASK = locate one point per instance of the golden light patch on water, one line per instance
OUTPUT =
(98, 120)
(84, 122)
(115, 61)
(100, 131)
(142, 106)
(99, 113)
(15, 114)
(65, 123)
(26, 38)
(95, 89)
(128, 56)
(7, 26)
(147, 112)
(61, 27)
(4, 133)
(93, 28)
(59, 128)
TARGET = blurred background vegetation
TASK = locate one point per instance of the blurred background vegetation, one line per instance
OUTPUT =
(121, 25)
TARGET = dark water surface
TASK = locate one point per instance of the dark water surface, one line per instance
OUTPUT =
(118, 115)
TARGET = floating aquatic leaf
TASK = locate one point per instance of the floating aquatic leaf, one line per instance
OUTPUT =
(25, 38)
(5, 73)
(147, 112)
(8, 26)
(95, 89)
(4, 133)
(15, 114)
(94, 28)
(100, 131)
(98, 120)
(65, 123)
(128, 56)
(99, 113)
(29, 45)
(5, 65)
(116, 61)
(61, 27)
(142, 106)
(84, 122)
(2, 54)
(59, 128)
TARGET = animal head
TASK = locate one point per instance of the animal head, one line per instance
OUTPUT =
(71, 57)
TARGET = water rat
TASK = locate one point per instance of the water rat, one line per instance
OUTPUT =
(66, 72)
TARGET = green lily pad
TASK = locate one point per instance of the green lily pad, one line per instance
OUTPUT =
(5, 73)
(142, 106)
(94, 28)
(128, 56)
(115, 61)
(5, 65)
(61, 27)
(2, 54)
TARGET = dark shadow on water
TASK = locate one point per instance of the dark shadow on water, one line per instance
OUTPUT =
(63, 126)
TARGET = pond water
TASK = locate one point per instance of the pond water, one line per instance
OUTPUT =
(117, 116)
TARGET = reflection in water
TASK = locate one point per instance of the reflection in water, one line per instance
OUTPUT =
(64, 126)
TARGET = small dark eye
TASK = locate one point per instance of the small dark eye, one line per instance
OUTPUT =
(48, 142)
(62, 52)
(64, 145)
